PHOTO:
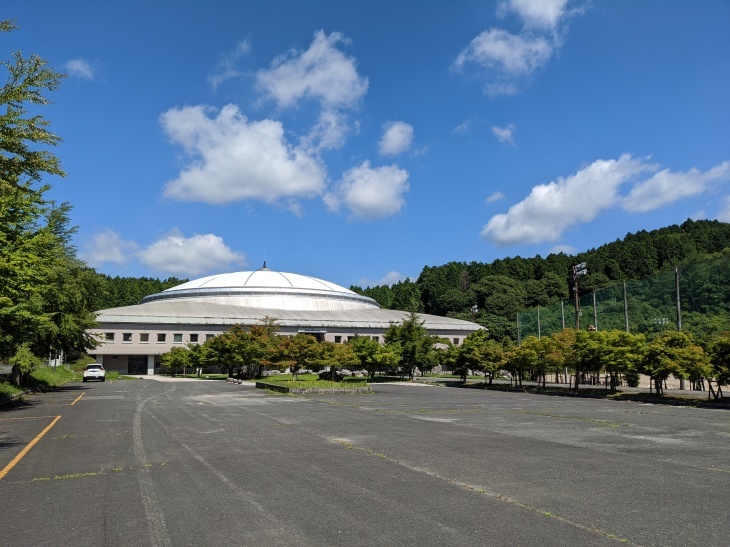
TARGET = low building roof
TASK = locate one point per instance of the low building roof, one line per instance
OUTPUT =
(196, 312)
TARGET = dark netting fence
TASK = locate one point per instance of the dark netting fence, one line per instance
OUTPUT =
(695, 298)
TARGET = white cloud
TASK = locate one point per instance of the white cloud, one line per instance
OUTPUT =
(107, 246)
(322, 73)
(502, 88)
(552, 208)
(667, 187)
(397, 138)
(496, 196)
(462, 129)
(724, 214)
(565, 249)
(391, 278)
(177, 255)
(370, 193)
(507, 58)
(545, 14)
(329, 133)
(504, 134)
(226, 68)
(233, 159)
(80, 68)
(511, 53)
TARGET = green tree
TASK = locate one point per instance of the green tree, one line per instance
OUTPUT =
(298, 351)
(175, 359)
(479, 352)
(41, 303)
(336, 356)
(416, 345)
(673, 353)
(196, 357)
(365, 350)
(720, 360)
(24, 362)
(519, 360)
(387, 356)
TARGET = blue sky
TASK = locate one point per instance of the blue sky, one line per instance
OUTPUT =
(361, 141)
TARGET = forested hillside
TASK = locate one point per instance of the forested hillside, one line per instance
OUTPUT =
(105, 292)
(502, 288)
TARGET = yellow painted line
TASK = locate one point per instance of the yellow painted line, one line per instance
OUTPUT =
(26, 418)
(25, 450)
(77, 399)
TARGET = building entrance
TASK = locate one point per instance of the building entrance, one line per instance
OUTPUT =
(137, 364)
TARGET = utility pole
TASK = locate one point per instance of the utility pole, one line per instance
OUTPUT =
(576, 272)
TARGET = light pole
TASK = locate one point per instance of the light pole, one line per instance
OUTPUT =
(576, 272)
(661, 321)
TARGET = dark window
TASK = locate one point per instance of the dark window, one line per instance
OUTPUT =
(161, 336)
(109, 336)
(127, 337)
(144, 337)
(338, 339)
(194, 338)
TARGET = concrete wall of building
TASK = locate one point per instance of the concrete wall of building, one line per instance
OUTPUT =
(131, 343)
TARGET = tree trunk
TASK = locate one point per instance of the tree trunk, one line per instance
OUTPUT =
(16, 376)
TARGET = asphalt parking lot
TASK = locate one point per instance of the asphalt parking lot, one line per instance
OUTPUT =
(202, 463)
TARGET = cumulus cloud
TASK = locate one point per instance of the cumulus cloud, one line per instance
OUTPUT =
(565, 249)
(322, 73)
(498, 49)
(370, 192)
(544, 14)
(231, 158)
(329, 133)
(506, 58)
(666, 187)
(177, 255)
(552, 208)
(504, 134)
(724, 214)
(391, 278)
(462, 129)
(107, 246)
(397, 138)
(496, 196)
(226, 68)
(79, 68)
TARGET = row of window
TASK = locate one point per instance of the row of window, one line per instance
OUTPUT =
(144, 337)
(177, 338)
(338, 339)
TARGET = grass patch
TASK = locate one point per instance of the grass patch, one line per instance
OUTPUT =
(49, 377)
(312, 381)
(8, 391)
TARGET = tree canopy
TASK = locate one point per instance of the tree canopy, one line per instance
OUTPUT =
(44, 308)
(492, 293)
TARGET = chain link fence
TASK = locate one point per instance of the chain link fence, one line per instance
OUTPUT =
(695, 299)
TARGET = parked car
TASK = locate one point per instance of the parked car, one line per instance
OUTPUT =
(94, 372)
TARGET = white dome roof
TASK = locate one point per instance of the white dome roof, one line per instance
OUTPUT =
(266, 288)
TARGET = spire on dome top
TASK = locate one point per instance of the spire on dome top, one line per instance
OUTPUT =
(264, 268)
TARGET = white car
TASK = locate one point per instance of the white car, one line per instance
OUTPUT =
(94, 372)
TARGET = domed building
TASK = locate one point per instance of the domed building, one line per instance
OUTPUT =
(134, 337)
